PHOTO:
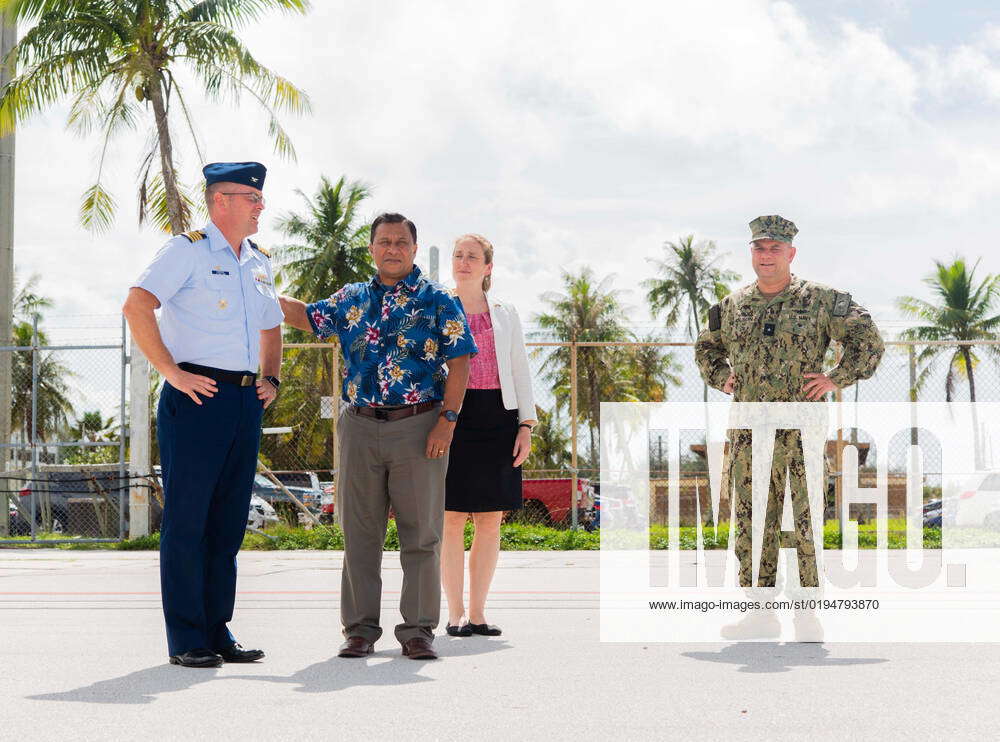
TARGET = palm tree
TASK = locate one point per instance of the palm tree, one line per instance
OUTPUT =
(92, 426)
(588, 311)
(328, 248)
(53, 405)
(964, 311)
(652, 370)
(27, 303)
(118, 59)
(330, 241)
(549, 444)
(688, 283)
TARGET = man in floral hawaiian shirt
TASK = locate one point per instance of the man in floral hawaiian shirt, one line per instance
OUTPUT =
(397, 332)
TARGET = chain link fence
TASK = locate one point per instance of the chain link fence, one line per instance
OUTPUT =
(64, 475)
(62, 440)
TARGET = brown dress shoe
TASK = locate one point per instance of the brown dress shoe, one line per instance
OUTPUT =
(356, 646)
(419, 648)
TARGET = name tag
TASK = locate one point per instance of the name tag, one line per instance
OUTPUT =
(220, 273)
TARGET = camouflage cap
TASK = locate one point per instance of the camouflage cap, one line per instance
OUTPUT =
(772, 227)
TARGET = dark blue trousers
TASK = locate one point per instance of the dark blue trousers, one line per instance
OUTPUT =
(208, 455)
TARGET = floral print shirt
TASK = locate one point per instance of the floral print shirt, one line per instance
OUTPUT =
(395, 340)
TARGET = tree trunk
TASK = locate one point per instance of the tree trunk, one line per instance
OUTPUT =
(175, 210)
(967, 356)
(977, 452)
(697, 332)
(595, 413)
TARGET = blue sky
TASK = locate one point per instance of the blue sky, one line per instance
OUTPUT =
(587, 134)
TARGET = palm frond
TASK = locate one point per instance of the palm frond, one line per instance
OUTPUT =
(97, 212)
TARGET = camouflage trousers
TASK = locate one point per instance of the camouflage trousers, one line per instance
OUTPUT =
(788, 462)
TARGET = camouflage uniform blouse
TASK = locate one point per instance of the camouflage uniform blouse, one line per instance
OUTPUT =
(769, 344)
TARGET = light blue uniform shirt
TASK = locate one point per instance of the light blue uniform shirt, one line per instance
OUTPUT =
(213, 305)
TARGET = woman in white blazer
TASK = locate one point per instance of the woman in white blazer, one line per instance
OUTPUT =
(491, 440)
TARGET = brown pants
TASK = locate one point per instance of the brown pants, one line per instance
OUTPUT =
(383, 464)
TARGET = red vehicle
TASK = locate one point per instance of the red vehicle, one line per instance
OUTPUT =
(547, 501)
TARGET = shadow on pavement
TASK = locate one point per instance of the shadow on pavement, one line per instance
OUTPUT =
(142, 686)
(772, 657)
(386, 667)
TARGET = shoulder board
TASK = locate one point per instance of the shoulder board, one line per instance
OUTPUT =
(841, 304)
(194, 235)
(259, 249)
(715, 318)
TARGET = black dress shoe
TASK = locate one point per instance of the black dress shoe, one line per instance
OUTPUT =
(462, 630)
(484, 629)
(236, 653)
(197, 658)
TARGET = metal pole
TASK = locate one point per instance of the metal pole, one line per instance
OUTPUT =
(912, 357)
(335, 412)
(8, 34)
(434, 263)
(838, 487)
(573, 427)
(34, 421)
(138, 441)
(121, 438)
(914, 434)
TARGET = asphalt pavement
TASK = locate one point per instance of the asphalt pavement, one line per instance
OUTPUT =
(83, 657)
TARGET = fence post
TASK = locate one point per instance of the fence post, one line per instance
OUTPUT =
(8, 34)
(121, 433)
(335, 410)
(573, 415)
(34, 422)
(838, 487)
(139, 444)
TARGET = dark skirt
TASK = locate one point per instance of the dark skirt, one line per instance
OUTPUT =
(481, 477)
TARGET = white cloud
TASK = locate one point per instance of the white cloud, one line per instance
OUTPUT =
(575, 133)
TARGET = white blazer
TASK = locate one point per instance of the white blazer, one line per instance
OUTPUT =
(512, 360)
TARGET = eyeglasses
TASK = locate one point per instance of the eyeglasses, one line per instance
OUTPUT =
(254, 197)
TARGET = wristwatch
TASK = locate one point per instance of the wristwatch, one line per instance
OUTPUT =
(274, 380)
(450, 415)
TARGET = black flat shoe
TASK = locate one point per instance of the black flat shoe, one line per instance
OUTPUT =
(463, 630)
(196, 658)
(484, 629)
(236, 653)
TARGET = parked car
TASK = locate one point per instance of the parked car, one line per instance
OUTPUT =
(268, 491)
(978, 505)
(547, 501)
(615, 498)
(327, 503)
(70, 501)
(261, 514)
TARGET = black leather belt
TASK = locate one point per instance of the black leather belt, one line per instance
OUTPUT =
(388, 414)
(239, 378)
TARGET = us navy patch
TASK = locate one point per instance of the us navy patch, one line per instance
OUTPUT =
(841, 304)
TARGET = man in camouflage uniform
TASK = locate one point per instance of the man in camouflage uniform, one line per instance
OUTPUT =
(766, 342)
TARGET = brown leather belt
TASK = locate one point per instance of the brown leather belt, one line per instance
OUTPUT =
(395, 413)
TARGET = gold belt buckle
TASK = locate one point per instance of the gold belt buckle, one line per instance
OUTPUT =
(246, 380)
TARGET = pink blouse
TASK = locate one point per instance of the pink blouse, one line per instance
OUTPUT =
(483, 371)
